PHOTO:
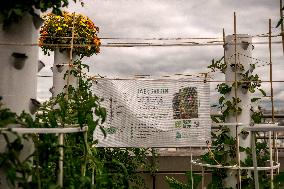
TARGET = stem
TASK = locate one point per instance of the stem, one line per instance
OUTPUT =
(86, 150)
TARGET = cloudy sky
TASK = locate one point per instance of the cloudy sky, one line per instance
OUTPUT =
(173, 19)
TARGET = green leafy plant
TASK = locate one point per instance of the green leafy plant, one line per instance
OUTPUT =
(249, 82)
(85, 166)
(218, 65)
(6, 116)
(175, 184)
(224, 150)
(223, 88)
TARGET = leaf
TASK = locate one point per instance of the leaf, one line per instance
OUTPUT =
(221, 99)
(18, 11)
(103, 131)
(255, 99)
(174, 184)
(279, 22)
(262, 92)
(215, 119)
(103, 114)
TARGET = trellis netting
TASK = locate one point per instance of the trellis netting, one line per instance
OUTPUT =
(154, 112)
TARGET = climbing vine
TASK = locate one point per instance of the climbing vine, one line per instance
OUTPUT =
(225, 146)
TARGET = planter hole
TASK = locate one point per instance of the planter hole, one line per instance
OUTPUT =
(40, 65)
(34, 105)
(19, 60)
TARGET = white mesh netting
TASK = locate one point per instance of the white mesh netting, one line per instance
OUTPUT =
(154, 112)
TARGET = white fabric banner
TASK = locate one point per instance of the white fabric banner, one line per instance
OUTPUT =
(154, 113)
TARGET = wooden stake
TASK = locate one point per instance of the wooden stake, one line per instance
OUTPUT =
(236, 96)
(272, 106)
(254, 160)
(61, 135)
(70, 55)
(282, 25)
(271, 160)
(61, 156)
(224, 44)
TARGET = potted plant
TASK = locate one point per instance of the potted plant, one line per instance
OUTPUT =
(19, 21)
(56, 33)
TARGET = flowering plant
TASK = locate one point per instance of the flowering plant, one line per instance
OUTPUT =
(56, 32)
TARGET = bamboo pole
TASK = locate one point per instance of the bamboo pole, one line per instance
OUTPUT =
(70, 55)
(191, 173)
(224, 44)
(272, 108)
(254, 160)
(61, 135)
(271, 160)
(61, 156)
(282, 25)
(236, 96)
(270, 73)
(202, 181)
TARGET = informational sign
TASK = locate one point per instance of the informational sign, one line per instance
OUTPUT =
(154, 112)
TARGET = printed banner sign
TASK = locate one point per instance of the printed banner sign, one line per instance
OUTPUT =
(154, 113)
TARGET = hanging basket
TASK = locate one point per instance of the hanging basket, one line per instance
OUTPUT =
(58, 33)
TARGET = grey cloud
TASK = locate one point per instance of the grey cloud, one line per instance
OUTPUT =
(179, 18)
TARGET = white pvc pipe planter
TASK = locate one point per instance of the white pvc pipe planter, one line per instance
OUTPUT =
(236, 167)
(59, 69)
(18, 74)
(236, 65)
(61, 78)
(19, 65)
(46, 130)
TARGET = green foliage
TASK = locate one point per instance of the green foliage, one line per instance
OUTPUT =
(6, 116)
(279, 181)
(12, 11)
(229, 107)
(85, 166)
(249, 82)
(256, 116)
(279, 22)
(262, 92)
(224, 151)
(218, 65)
(223, 88)
(121, 167)
(17, 170)
(175, 184)
(225, 148)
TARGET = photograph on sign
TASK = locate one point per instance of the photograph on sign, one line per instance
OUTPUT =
(154, 113)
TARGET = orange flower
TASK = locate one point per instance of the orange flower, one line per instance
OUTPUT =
(44, 33)
(90, 24)
(97, 41)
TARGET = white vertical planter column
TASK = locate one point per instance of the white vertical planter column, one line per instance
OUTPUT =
(18, 75)
(244, 50)
(18, 84)
(60, 68)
